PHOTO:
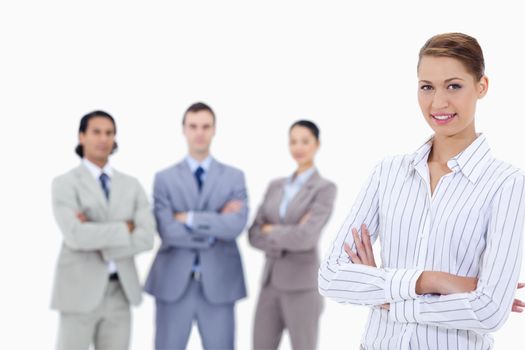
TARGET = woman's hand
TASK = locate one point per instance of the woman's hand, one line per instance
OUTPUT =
(518, 305)
(266, 229)
(364, 254)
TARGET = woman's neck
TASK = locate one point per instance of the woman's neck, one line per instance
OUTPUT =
(446, 147)
(303, 167)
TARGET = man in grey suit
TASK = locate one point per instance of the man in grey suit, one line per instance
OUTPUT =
(200, 208)
(105, 220)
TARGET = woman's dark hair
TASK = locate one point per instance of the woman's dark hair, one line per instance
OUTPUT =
(79, 150)
(459, 46)
(309, 125)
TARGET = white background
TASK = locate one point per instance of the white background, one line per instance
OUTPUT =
(350, 67)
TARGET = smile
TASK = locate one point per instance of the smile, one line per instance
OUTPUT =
(443, 118)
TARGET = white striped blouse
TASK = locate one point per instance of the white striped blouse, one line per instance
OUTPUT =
(470, 226)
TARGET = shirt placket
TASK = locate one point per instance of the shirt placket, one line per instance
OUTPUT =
(429, 213)
(424, 233)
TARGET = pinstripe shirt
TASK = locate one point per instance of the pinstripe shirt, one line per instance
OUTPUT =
(470, 226)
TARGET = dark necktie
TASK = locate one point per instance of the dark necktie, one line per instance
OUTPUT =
(198, 176)
(104, 181)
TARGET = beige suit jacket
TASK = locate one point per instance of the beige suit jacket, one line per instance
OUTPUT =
(292, 259)
(82, 268)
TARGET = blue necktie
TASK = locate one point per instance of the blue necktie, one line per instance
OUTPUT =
(198, 176)
(104, 180)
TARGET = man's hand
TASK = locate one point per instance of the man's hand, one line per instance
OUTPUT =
(131, 226)
(233, 206)
(181, 217)
(82, 217)
(364, 254)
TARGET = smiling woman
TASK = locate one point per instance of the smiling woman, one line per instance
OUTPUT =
(451, 80)
(449, 217)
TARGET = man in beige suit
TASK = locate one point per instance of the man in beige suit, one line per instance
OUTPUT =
(105, 220)
(287, 228)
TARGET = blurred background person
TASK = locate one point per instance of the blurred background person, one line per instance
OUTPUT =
(105, 220)
(287, 229)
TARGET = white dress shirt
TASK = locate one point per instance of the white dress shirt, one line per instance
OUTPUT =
(291, 187)
(96, 172)
(471, 225)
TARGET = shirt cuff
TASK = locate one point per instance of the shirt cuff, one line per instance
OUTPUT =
(405, 311)
(189, 220)
(401, 284)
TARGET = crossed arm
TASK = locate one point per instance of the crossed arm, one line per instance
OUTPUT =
(206, 226)
(429, 297)
(429, 282)
(113, 239)
(273, 239)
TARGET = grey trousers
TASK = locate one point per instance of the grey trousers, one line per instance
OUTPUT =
(174, 321)
(107, 327)
(296, 311)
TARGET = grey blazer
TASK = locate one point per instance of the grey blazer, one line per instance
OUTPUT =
(82, 269)
(292, 260)
(175, 190)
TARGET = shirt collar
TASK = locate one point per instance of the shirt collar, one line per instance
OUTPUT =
(420, 156)
(95, 170)
(302, 177)
(194, 164)
(471, 161)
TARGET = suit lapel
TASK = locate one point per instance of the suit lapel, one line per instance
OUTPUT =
(303, 193)
(117, 188)
(92, 186)
(188, 188)
(275, 201)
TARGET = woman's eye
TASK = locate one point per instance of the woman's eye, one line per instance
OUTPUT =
(454, 87)
(426, 87)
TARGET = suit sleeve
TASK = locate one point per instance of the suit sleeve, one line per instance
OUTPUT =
(173, 233)
(487, 308)
(142, 237)
(224, 226)
(305, 236)
(85, 236)
(345, 282)
(255, 236)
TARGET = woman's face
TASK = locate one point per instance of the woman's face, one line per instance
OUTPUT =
(447, 95)
(303, 145)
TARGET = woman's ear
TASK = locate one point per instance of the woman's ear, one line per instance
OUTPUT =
(483, 86)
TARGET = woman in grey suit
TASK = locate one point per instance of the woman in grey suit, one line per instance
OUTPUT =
(287, 228)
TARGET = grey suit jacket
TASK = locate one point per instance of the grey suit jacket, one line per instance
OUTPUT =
(292, 260)
(175, 190)
(82, 269)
